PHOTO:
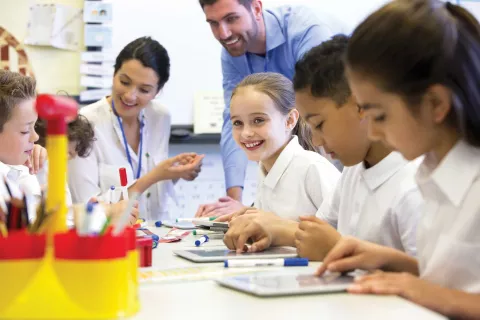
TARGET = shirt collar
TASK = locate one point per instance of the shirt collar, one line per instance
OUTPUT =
(273, 31)
(281, 164)
(4, 169)
(11, 172)
(382, 171)
(455, 173)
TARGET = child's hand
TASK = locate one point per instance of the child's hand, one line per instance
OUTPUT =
(314, 238)
(115, 211)
(224, 206)
(244, 211)
(37, 159)
(186, 166)
(351, 253)
(256, 227)
(404, 285)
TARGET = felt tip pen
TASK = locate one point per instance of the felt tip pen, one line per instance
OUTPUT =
(87, 219)
(213, 236)
(202, 240)
(110, 194)
(287, 262)
(195, 219)
(201, 232)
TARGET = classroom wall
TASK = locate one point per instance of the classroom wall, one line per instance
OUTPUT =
(209, 185)
(54, 69)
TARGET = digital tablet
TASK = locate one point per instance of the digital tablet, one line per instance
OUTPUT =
(268, 284)
(215, 254)
(211, 225)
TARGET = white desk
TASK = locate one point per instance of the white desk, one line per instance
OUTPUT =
(209, 301)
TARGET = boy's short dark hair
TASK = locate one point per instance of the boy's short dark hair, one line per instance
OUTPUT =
(246, 3)
(14, 89)
(80, 131)
(322, 71)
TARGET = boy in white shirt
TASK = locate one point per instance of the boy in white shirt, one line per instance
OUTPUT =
(376, 197)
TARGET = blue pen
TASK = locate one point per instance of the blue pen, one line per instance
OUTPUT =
(158, 224)
(287, 262)
(87, 220)
(201, 240)
(110, 194)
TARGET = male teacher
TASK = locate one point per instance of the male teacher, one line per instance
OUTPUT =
(254, 40)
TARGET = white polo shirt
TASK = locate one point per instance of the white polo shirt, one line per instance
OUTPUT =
(381, 204)
(25, 183)
(297, 184)
(449, 231)
(21, 179)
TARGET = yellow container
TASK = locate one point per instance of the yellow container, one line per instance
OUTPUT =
(133, 304)
(21, 257)
(78, 278)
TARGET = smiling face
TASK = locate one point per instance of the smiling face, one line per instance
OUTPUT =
(338, 129)
(233, 25)
(134, 86)
(259, 128)
(18, 134)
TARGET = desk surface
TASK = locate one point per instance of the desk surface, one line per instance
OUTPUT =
(207, 300)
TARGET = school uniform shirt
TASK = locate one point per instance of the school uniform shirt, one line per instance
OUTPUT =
(297, 183)
(380, 204)
(22, 182)
(449, 231)
(95, 174)
(21, 179)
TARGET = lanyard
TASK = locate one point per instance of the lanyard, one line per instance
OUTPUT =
(249, 63)
(126, 144)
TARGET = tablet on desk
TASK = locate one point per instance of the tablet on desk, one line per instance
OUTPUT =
(268, 284)
(219, 255)
(212, 225)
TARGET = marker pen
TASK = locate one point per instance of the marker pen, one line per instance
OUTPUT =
(202, 240)
(245, 263)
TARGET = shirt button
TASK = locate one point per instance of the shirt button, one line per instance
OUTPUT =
(147, 154)
(148, 195)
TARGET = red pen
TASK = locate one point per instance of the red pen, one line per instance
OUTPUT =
(123, 182)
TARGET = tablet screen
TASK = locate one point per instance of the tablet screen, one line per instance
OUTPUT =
(268, 284)
(289, 281)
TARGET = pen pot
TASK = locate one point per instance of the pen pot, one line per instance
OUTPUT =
(94, 272)
(144, 245)
(21, 256)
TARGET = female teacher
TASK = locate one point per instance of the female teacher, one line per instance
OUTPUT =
(132, 131)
